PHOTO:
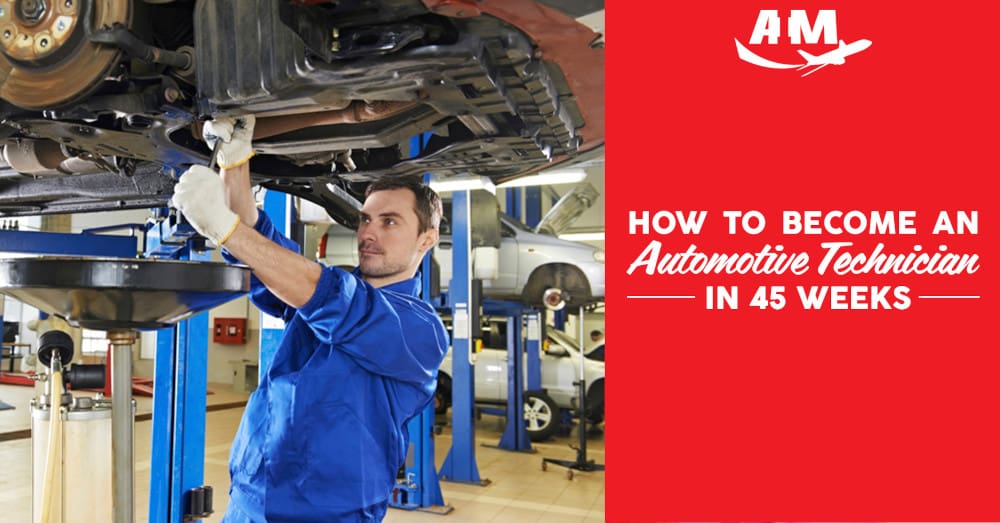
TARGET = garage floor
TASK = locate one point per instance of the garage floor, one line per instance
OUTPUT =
(520, 491)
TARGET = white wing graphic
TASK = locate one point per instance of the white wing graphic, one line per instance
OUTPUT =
(748, 56)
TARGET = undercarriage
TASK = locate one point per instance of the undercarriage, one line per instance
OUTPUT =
(103, 100)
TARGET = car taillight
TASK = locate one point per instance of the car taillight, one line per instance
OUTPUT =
(321, 251)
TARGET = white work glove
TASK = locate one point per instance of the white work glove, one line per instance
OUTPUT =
(236, 135)
(201, 196)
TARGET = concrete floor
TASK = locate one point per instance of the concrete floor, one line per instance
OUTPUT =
(520, 491)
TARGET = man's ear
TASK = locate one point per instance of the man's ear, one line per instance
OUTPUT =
(428, 239)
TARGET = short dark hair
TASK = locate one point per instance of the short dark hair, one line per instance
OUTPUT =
(428, 207)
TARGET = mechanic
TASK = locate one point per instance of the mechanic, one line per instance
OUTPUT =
(596, 351)
(323, 436)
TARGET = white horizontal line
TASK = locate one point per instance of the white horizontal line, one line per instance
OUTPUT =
(660, 297)
(954, 297)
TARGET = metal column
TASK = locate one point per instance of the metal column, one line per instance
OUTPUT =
(179, 405)
(533, 348)
(122, 425)
(515, 434)
(532, 206)
(460, 464)
(278, 207)
(514, 203)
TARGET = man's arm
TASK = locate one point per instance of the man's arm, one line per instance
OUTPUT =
(222, 208)
(289, 276)
(200, 195)
(239, 195)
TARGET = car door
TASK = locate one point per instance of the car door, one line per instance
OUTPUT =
(558, 374)
(491, 364)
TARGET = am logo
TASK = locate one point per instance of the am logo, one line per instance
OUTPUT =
(799, 30)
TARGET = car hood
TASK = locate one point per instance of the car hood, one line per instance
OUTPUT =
(546, 239)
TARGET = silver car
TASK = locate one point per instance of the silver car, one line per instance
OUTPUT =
(560, 368)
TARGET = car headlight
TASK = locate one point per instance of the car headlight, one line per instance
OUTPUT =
(599, 256)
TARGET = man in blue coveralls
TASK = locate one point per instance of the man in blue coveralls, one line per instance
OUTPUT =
(324, 435)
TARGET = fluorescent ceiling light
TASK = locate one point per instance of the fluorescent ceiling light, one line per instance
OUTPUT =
(463, 183)
(547, 178)
(583, 236)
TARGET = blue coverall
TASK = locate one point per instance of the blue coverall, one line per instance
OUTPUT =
(324, 434)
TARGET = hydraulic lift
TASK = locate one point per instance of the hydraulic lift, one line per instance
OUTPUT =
(523, 369)
(460, 463)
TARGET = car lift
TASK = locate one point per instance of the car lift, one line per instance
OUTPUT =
(515, 435)
(180, 386)
(460, 464)
(178, 444)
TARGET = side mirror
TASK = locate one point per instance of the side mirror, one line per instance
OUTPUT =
(557, 351)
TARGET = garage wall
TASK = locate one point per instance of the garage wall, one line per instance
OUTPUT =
(109, 218)
(225, 359)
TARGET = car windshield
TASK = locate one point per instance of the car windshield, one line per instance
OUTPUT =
(563, 339)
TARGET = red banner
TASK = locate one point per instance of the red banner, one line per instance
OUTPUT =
(802, 251)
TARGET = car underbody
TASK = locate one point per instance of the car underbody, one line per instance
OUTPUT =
(103, 100)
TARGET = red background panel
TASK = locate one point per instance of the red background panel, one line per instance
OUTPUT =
(793, 415)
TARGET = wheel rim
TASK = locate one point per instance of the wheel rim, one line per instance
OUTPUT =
(42, 44)
(537, 414)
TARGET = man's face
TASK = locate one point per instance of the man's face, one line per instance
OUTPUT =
(389, 247)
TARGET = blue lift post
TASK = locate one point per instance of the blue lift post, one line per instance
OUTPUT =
(180, 387)
(533, 347)
(180, 383)
(514, 203)
(520, 376)
(515, 434)
(420, 489)
(278, 207)
(460, 464)
(521, 347)
(532, 206)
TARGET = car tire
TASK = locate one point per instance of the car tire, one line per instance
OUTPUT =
(541, 415)
(595, 403)
(567, 278)
(442, 395)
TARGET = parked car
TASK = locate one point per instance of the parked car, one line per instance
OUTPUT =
(530, 262)
(101, 103)
(560, 368)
